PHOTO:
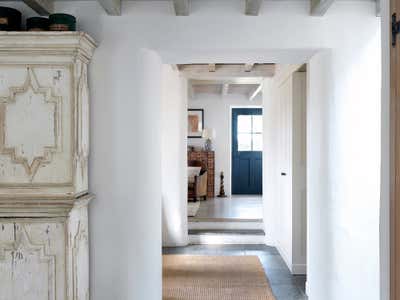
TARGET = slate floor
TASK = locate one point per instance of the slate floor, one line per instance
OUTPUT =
(284, 285)
(232, 207)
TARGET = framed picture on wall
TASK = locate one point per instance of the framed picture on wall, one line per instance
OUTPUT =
(195, 123)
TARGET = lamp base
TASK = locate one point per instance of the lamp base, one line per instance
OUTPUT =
(208, 145)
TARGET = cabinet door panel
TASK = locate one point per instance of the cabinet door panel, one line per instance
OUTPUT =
(35, 125)
(32, 260)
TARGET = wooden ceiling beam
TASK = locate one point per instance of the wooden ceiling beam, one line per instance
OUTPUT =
(320, 7)
(41, 7)
(253, 7)
(182, 7)
(112, 7)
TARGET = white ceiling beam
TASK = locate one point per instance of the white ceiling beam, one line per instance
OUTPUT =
(320, 7)
(378, 8)
(256, 92)
(253, 7)
(228, 80)
(202, 71)
(182, 7)
(225, 89)
(248, 67)
(42, 7)
(211, 67)
(112, 7)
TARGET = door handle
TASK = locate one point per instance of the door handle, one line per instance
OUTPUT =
(283, 174)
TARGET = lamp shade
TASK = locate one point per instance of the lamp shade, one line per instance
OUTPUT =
(209, 133)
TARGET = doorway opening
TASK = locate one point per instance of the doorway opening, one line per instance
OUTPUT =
(225, 138)
(224, 141)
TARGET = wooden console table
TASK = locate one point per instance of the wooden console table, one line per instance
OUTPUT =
(208, 158)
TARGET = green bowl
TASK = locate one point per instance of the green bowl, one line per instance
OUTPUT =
(62, 22)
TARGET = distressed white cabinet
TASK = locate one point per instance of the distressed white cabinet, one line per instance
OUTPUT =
(44, 148)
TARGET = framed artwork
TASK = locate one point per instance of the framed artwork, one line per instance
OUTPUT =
(195, 123)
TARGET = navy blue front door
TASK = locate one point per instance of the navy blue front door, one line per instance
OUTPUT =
(247, 151)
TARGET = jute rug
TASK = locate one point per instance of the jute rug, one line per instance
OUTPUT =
(188, 277)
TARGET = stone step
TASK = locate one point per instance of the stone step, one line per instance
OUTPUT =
(223, 236)
(227, 224)
(227, 231)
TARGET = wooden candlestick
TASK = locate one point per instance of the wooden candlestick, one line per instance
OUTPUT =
(221, 186)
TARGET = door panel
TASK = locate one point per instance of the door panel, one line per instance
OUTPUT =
(285, 165)
(247, 151)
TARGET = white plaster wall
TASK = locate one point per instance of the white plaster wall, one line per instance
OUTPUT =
(217, 115)
(174, 157)
(343, 174)
(125, 219)
(344, 127)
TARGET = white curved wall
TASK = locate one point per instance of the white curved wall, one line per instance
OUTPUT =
(174, 158)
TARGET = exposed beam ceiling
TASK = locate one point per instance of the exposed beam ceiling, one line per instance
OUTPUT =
(42, 7)
(320, 7)
(253, 7)
(206, 71)
(256, 92)
(112, 7)
(230, 81)
(250, 89)
(182, 7)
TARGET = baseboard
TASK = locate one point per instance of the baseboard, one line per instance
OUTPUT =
(284, 256)
(295, 269)
(299, 269)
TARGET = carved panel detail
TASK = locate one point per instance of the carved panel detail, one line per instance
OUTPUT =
(80, 256)
(27, 271)
(30, 124)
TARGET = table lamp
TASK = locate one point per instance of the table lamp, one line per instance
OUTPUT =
(208, 134)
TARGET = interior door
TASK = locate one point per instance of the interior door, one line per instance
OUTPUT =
(285, 162)
(395, 158)
(247, 143)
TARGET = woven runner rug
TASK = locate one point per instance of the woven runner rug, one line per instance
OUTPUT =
(188, 277)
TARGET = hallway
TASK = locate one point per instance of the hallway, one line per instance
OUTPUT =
(284, 285)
